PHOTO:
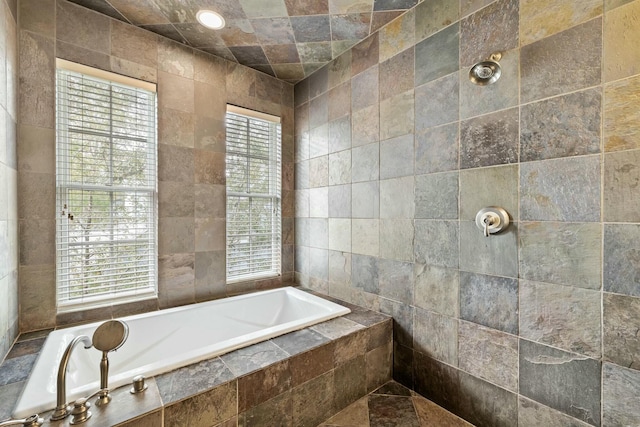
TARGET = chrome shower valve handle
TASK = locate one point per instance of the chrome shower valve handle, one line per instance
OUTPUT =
(492, 220)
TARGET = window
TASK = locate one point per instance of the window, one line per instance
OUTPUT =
(105, 188)
(253, 195)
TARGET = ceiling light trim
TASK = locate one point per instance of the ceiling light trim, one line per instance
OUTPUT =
(210, 19)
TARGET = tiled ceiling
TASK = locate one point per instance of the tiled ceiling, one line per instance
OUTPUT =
(288, 39)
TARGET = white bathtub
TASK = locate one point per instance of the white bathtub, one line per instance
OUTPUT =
(164, 340)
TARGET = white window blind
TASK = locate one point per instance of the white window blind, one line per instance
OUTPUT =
(105, 189)
(253, 161)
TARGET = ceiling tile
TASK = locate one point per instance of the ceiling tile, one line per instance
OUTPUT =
(289, 71)
(394, 4)
(314, 28)
(273, 30)
(315, 52)
(166, 30)
(351, 26)
(380, 19)
(307, 7)
(281, 53)
(100, 6)
(238, 32)
(140, 12)
(350, 6)
(178, 11)
(264, 8)
(249, 54)
(199, 36)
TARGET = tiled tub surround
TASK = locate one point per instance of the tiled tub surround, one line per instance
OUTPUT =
(298, 379)
(396, 151)
(193, 90)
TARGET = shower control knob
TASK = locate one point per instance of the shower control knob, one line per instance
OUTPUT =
(139, 384)
(492, 220)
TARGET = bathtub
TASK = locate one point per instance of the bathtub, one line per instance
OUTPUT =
(164, 340)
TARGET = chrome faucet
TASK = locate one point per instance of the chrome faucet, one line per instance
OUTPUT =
(62, 410)
(31, 421)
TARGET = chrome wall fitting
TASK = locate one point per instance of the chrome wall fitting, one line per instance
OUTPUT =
(62, 410)
(486, 72)
(108, 337)
(492, 220)
(31, 421)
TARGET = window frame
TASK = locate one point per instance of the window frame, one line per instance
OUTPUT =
(274, 194)
(142, 289)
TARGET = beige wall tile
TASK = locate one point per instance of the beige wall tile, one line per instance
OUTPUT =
(539, 19)
(622, 115)
(134, 44)
(82, 27)
(621, 33)
(175, 92)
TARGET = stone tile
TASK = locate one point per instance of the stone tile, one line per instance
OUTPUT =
(23, 348)
(620, 388)
(621, 192)
(175, 200)
(492, 29)
(10, 394)
(537, 23)
(365, 127)
(130, 43)
(620, 259)
(340, 134)
(311, 364)
(320, 391)
(437, 196)
(356, 414)
(621, 343)
(209, 167)
(561, 253)
(339, 166)
(37, 195)
(397, 198)
(36, 85)
(433, 16)
(620, 56)
(403, 364)
(396, 74)
(364, 273)
(488, 354)
(621, 115)
(561, 316)
(576, 51)
(82, 27)
(396, 157)
(396, 238)
(365, 54)
(402, 321)
(431, 414)
(612, 4)
(349, 383)
(396, 280)
(495, 255)
(436, 243)
(397, 115)
(561, 127)
(340, 70)
(254, 357)
(436, 336)
(397, 36)
(337, 328)
(364, 89)
(533, 414)
(175, 128)
(392, 411)
(36, 150)
(260, 386)
(37, 296)
(365, 200)
(436, 149)
(319, 264)
(437, 103)
(202, 410)
(365, 238)
(192, 379)
(16, 369)
(561, 380)
(300, 341)
(365, 163)
(437, 382)
(484, 404)
(438, 55)
(489, 140)
(319, 202)
(340, 234)
(561, 189)
(319, 111)
(495, 186)
(436, 289)
(319, 172)
(503, 94)
(210, 277)
(339, 101)
(209, 234)
(489, 301)
(279, 408)
(176, 279)
(175, 164)
(340, 201)
(393, 388)
(37, 242)
(379, 364)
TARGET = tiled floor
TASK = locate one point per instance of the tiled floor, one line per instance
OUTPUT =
(393, 405)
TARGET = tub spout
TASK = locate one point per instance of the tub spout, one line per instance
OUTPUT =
(31, 421)
(62, 410)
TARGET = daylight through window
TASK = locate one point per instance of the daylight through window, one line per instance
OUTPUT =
(253, 195)
(105, 187)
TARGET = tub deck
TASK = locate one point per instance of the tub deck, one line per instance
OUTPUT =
(331, 364)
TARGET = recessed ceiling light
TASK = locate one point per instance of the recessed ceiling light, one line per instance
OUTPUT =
(210, 19)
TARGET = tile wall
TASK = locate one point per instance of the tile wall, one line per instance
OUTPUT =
(8, 177)
(396, 151)
(193, 90)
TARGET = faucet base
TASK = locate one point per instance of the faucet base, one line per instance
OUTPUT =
(60, 413)
(104, 397)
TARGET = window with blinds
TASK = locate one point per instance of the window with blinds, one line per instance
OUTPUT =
(105, 188)
(253, 194)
